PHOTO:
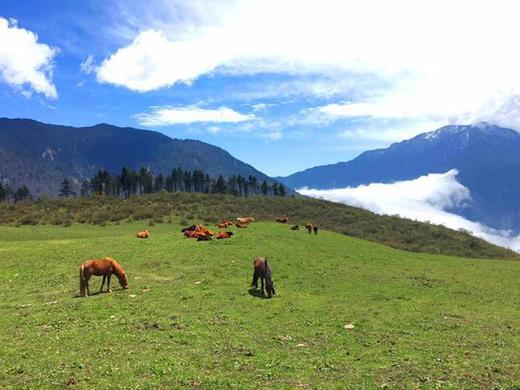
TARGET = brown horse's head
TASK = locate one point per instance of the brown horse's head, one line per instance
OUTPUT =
(269, 285)
(120, 273)
(123, 281)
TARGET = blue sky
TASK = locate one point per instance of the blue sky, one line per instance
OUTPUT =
(281, 85)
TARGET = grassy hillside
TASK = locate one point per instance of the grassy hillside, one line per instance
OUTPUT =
(189, 320)
(190, 208)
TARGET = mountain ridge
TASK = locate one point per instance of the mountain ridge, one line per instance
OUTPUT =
(486, 156)
(40, 155)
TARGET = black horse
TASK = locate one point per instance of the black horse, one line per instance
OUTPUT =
(262, 271)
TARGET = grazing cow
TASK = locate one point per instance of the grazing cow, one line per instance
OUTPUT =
(189, 228)
(261, 270)
(105, 267)
(223, 235)
(309, 227)
(315, 229)
(144, 234)
(281, 219)
(295, 227)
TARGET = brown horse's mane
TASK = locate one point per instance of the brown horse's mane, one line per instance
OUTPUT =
(118, 270)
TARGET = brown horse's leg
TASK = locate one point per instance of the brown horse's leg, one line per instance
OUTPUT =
(108, 283)
(102, 284)
(86, 284)
(262, 281)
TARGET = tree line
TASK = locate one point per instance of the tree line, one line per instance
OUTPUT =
(8, 194)
(130, 182)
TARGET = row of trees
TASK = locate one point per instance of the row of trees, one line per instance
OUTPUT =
(8, 194)
(130, 182)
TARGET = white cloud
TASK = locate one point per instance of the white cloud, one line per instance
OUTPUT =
(424, 199)
(168, 115)
(442, 60)
(88, 66)
(214, 129)
(271, 135)
(24, 62)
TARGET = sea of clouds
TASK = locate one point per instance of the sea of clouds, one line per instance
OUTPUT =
(427, 198)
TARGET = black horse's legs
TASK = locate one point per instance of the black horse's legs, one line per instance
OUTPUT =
(254, 283)
(102, 284)
(108, 283)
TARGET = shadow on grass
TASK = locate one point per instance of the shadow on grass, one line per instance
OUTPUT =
(92, 294)
(257, 293)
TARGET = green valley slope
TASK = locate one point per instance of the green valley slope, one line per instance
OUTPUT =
(192, 208)
(189, 320)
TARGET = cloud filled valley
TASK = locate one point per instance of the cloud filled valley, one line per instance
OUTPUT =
(427, 198)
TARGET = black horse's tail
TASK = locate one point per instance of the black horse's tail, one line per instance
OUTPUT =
(267, 269)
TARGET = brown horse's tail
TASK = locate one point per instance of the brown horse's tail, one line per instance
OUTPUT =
(82, 280)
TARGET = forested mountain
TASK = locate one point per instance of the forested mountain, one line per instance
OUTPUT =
(41, 155)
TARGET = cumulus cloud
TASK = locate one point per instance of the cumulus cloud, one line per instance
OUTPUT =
(169, 115)
(448, 61)
(427, 198)
(25, 63)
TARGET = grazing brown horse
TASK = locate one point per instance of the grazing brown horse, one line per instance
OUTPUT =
(105, 267)
(309, 228)
(144, 234)
(262, 271)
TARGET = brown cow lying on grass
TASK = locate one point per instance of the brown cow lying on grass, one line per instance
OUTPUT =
(281, 219)
(223, 235)
(245, 220)
(241, 225)
(225, 224)
(295, 227)
(199, 231)
(143, 234)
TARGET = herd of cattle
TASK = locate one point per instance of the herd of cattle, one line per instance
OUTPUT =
(107, 267)
(202, 233)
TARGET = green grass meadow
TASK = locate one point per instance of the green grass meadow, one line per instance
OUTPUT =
(189, 320)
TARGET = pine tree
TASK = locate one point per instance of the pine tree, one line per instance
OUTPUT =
(3, 194)
(125, 180)
(85, 188)
(158, 183)
(265, 188)
(220, 185)
(22, 193)
(282, 190)
(66, 188)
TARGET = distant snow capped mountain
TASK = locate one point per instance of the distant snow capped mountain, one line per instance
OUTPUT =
(486, 156)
